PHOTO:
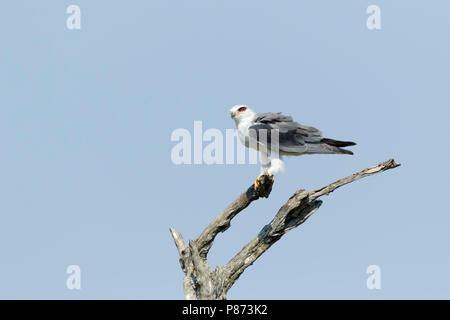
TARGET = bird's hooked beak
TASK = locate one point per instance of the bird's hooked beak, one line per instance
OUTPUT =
(234, 113)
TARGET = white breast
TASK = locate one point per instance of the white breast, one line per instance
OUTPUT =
(243, 132)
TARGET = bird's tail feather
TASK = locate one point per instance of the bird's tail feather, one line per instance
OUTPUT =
(344, 151)
(332, 146)
(337, 143)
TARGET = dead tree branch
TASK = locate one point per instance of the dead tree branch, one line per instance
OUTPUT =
(202, 282)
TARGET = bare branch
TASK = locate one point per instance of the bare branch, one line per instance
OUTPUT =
(383, 166)
(222, 222)
(178, 239)
(297, 210)
(183, 249)
(201, 282)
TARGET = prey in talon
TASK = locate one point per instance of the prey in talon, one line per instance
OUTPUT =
(276, 135)
(260, 177)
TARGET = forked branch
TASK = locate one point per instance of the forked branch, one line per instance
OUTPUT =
(201, 282)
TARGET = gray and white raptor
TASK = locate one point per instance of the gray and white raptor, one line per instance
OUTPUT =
(276, 135)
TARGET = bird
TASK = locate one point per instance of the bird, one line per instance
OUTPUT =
(276, 135)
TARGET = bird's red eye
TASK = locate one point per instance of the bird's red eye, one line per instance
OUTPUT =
(242, 109)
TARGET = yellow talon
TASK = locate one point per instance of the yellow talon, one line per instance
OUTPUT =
(257, 182)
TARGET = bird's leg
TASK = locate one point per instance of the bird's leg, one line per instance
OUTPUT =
(258, 181)
(265, 161)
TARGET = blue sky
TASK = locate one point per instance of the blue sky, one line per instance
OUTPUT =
(86, 117)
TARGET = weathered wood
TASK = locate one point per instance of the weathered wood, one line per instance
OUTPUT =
(201, 282)
(383, 166)
(222, 221)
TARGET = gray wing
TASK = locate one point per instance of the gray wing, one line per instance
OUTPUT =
(292, 136)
